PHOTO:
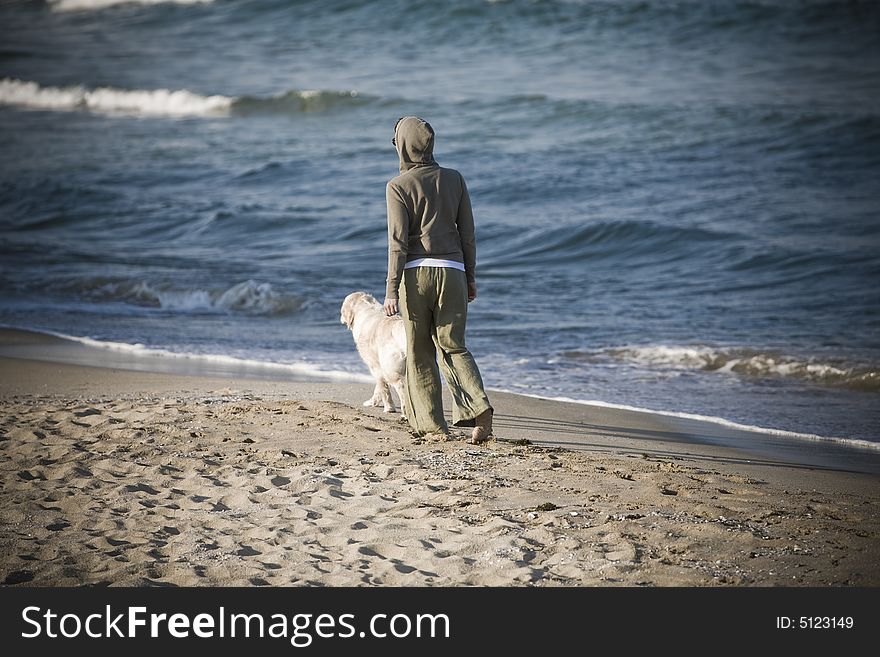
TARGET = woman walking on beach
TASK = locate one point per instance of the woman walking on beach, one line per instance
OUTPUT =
(431, 262)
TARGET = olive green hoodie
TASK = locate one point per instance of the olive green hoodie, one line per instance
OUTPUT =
(429, 210)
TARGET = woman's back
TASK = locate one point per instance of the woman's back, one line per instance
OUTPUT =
(429, 209)
(432, 198)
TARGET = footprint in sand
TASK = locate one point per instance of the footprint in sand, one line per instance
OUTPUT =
(369, 552)
(141, 488)
(617, 549)
(27, 475)
(18, 577)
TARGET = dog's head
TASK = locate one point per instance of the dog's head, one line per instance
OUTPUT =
(352, 304)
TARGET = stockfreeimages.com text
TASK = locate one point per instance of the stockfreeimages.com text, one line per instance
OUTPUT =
(300, 629)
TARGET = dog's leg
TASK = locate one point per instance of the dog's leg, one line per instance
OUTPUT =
(387, 399)
(376, 399)
(398, 387)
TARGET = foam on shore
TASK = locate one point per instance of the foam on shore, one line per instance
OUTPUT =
(849, 442)
(182, 362)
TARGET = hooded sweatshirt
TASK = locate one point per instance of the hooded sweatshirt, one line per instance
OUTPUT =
(429, 210)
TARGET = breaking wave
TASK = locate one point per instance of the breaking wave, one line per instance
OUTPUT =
(85, 5)
(248, 297)
(157, 102)
(742, 361)
(164, 102)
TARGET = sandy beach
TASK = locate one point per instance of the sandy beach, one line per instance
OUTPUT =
(669, 210)
(113, 476)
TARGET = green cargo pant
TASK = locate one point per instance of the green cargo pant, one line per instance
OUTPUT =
(433, 303)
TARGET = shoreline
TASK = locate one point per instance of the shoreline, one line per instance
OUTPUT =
(122, 477)
(59, 347)
(852, 443)
(818, 451)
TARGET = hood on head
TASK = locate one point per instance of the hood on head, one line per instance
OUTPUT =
(414, 138)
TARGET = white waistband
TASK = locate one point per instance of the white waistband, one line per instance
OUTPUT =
(434, 262)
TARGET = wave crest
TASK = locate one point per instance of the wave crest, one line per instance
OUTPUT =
(741, 361)
(156, 102)
(604, 239)
(86, 5)
(308, 100)
(165, 102)
(248, 297)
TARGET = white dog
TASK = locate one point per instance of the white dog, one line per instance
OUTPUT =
(381, 342)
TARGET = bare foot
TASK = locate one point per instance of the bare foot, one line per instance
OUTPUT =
(482, 431)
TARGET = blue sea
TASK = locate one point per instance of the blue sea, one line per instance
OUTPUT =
(676, 200)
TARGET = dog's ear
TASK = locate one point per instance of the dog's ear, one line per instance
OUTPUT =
(346, 315)
(351, 303)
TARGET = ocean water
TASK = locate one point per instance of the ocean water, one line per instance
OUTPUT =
(676, 200)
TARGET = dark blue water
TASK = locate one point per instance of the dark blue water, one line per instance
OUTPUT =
(676, 202)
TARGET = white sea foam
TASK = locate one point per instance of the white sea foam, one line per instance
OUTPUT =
(850, 442)
(139, 350)
(164, 102)
(310, 370)
(85, 5)
(106, 100)
(749, 362)
(248, 296)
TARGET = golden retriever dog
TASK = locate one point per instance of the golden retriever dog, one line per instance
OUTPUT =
(381, 342)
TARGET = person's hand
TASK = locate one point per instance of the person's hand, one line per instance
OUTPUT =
(472, 291)
(390, 306)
